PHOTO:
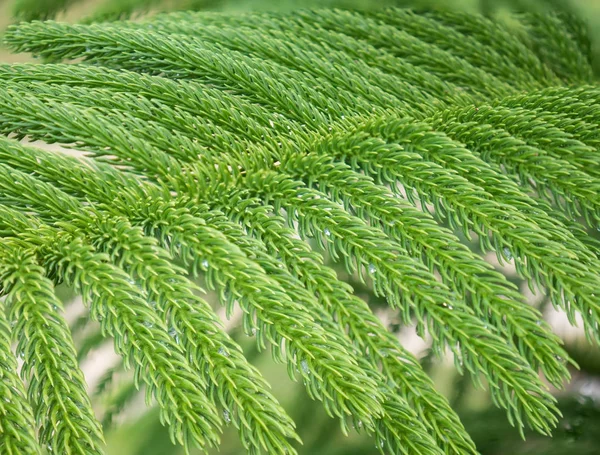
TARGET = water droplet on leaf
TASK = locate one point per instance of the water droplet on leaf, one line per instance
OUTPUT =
(226, 416)
(304, 366)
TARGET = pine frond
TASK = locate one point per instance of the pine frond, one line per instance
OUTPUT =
(16, 422)
(488, 292)
(229, 143)
(125, 314)
(402, 279)
(265, 306)
(548, 36)
(56, 387)
(29, 10)
(407, 286)
(302, 54)
(564, 155)
(499, 38)
(457, 44)
(280, 26)
(191, 58)
(353, 315)
(163, 220)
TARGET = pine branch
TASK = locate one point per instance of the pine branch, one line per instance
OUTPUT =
(178, 121)
(235, 385)
(322, 371)
(333, 117)
(140, 336)
(383, 38)
(391, 293)
(302, 54)
(220, 107)
(56, 386)
(289, 27)
(434, 59)
(436, 147)
(497, 37)
(168, 223)
(16, 416)
(352, 314)
(568, 118)
(435, 309)
(190, 58)
(165, 222)
(457, 44)
(546, 36)
(390, 430)
(573, 157)
(489, 293)
(475, 209)
(578, 30)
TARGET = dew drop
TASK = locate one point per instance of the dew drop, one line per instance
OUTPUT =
(372, 269)
(327, 232)
(507, 254)
(304, 366)
(226, 416)
(223, 352)
(205, 264)
(148, 324)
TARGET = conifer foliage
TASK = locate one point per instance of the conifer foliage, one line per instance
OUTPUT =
(220, 145)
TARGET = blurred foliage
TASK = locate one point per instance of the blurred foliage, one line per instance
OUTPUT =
(577, 432)
(102, 10)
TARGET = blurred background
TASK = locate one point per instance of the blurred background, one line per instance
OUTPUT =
(134, 429)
